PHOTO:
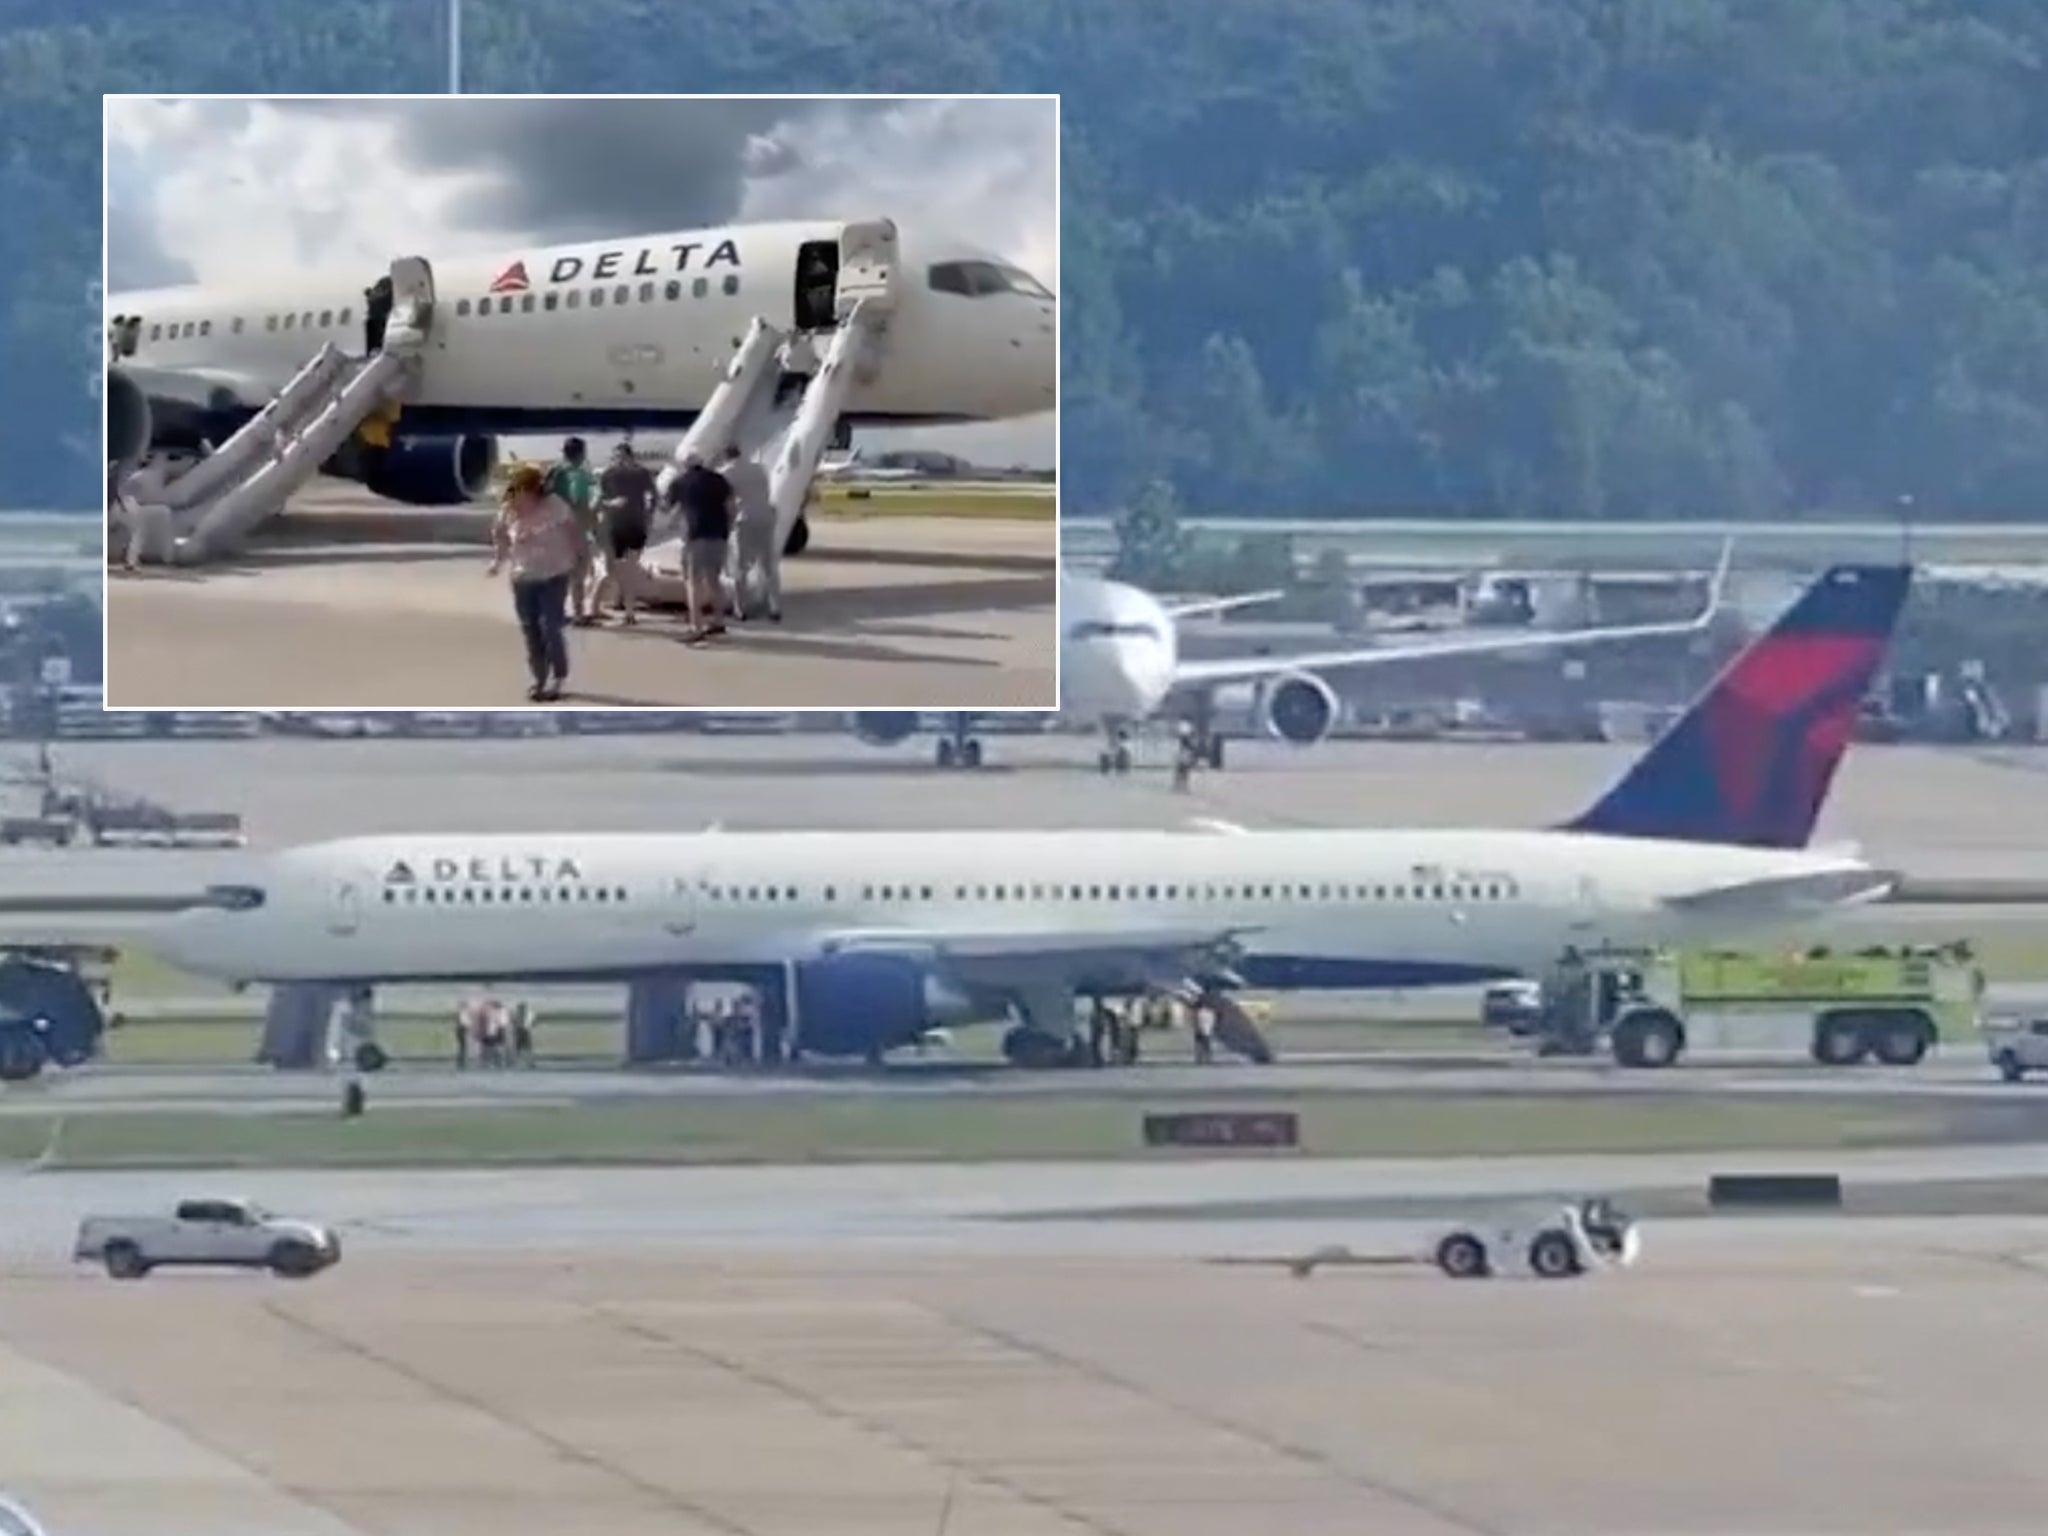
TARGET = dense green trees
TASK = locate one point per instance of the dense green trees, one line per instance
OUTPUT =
(1622, 258)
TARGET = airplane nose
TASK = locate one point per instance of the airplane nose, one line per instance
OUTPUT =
(1035, 352)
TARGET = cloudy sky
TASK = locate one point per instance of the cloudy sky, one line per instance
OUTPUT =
(208, 190)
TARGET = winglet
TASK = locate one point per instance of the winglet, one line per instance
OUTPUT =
(1752, 760)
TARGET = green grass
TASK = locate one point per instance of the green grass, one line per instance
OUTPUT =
(1025, 503)
(951, 1129)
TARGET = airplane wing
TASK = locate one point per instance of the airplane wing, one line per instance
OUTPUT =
(1827, 888)
(1244, 669)
(983, 950)
(1202, 607)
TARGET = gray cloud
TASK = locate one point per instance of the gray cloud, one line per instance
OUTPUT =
(574, 170)
(135, 257)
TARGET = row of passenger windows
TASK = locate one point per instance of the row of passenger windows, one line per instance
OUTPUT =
(1489, 891)
(472, 895)
(573, 298)
(503, 304)
(500, 896)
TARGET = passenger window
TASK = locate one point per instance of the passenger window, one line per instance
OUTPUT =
(574, 298)
(622, 293)
(596, 297)
(289, 321)
(673, 290)
(342, 318)
(462, 306)
(731, 283)
(700, 287)
(237, 327)
(548, 301)
(326, 318)
(526, 304)
(206, 327)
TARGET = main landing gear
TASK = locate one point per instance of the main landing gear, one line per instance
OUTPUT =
(959, 748)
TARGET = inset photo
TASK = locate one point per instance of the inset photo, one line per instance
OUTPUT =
(470, 402)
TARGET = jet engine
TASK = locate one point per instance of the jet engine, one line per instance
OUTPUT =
(430, 471)
(863, 1005)
(1300, 709)
(129, 419)
(884, 728)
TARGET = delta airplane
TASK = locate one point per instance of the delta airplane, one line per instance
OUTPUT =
(609, 335)
(874, 938)
(1120, 665)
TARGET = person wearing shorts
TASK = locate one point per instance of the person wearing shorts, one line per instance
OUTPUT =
(706, 499)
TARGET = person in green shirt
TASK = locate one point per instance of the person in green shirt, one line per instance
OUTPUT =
(572, 479)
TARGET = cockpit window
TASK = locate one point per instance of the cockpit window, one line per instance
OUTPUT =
(977, 279)
(1102, 629)
(235, 898)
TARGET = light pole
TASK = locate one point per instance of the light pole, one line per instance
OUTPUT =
(454, 47)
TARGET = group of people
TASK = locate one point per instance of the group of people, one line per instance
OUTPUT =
(492, 1034)
(573, 541)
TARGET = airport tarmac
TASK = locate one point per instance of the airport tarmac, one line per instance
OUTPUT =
(1932, 812)
(889, 613)
(785, 1352)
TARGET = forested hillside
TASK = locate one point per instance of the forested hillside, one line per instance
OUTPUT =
(1604, 258)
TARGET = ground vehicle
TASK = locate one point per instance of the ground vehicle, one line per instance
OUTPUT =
(1516, 1006)
(1650, 1007)
(2017, 1046)
(1577, 1238)
(49, 1010)
(232, 1233)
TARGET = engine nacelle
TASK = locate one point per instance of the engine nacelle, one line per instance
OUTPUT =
(1300, 708)
(430, 471)
(884, 728)
(129, 420)
(863, 1005)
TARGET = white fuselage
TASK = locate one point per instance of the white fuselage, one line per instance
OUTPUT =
(638, 328)
(1118, 650)
(559, 905)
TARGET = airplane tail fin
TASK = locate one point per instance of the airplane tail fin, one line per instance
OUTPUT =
(1751, 761)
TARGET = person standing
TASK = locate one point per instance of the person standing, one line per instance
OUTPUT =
(706, 499)
(571, 480)
(377, 302)
(756, 547)
(626, 495)
(537, 536)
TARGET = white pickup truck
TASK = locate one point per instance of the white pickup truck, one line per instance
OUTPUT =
(2017, 1046)
(232, 1233)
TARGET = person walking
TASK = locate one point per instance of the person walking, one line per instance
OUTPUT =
(706, 499)
(571, 479)
(757, 551)
(538, 537)
(626, 495)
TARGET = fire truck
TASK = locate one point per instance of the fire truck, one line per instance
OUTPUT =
(1650, 1008)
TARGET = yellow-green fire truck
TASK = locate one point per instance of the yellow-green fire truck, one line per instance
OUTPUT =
(1648, 1008)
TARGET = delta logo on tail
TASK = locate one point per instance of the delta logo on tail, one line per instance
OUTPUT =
(1751, 762)
(512, 280)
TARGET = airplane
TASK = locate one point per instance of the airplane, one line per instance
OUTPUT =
(869, 940)
(608, 335)
(1120, 665)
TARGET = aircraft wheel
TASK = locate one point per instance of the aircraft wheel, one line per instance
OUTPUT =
(970, 753)
(2009, 1067)
(1214, 752)
(1552, 1255)
(1462, 1256)
(945, 752)
(799, 537)
(1120, 760)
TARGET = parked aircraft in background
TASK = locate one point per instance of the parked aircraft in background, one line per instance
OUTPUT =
(1120, 665)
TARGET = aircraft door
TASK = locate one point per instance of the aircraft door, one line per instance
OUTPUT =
(679, 905)
(410, 305)
(817, 285)
(867, 264)
(346, 913)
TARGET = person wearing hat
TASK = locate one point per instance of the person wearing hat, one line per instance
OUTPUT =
(538, 537)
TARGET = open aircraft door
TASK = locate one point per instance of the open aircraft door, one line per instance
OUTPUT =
(412, 295)
(679, 905)
(868, 259)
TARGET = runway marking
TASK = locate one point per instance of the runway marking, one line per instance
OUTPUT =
(1288, 1450)
(568, 1450)
(878, 1429)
